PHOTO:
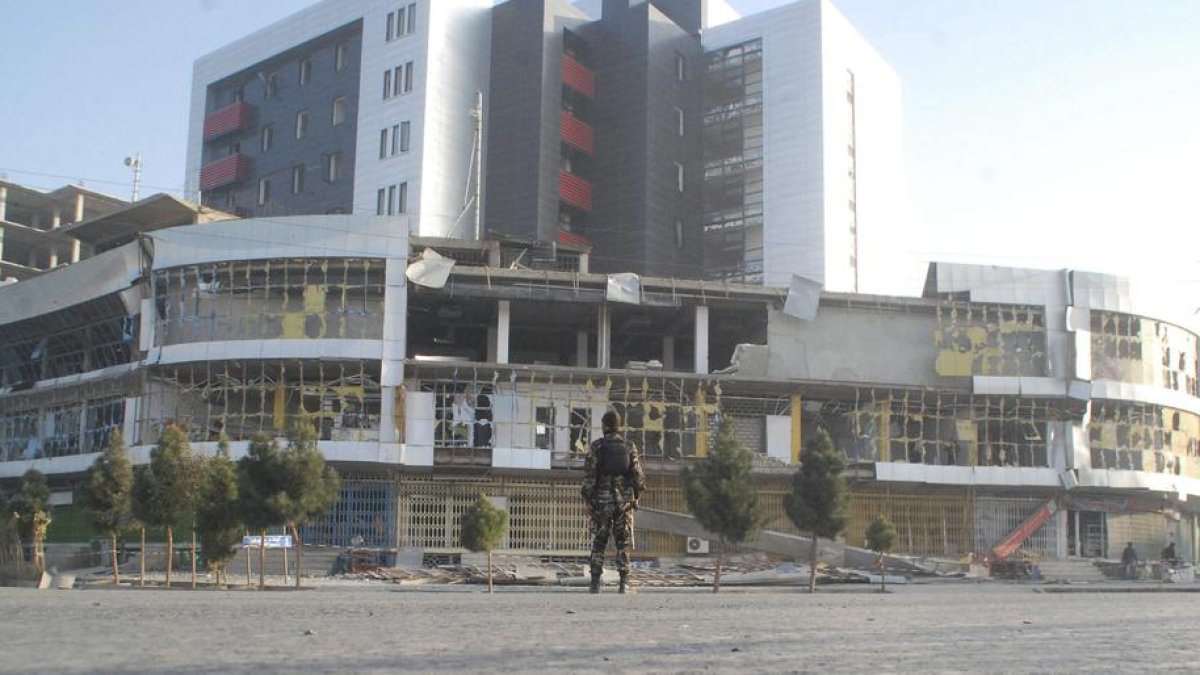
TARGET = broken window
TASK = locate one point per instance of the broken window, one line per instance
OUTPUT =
(978, 339)
(1128, 348)
(339, 298)
(19, 435)
(244, 398)
(1143, 437)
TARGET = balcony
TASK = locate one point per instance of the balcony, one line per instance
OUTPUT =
(578, 76)
(575, 191)
(224, 171)
(227, 120)
(577, 133)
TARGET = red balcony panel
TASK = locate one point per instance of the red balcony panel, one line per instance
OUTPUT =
(571, 239)
(227, 120)
(231, 169)
(577, 133)
(578, 76)
(575, 191)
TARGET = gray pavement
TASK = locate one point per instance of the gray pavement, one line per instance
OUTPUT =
(357, 627)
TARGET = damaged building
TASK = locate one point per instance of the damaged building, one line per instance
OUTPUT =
(1058, 403)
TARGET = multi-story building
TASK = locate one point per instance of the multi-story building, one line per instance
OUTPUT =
(346, 107)
(749, 151)
(1060, 404)
(33, 226)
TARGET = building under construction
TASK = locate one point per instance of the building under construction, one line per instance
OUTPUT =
(1061, 405)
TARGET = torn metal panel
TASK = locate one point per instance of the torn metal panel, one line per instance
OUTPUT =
(431, 271)
(979, 339)
(804, 296)
(624, 287)
(69, 286)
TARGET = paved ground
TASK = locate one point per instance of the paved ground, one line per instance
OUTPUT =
(355, 627)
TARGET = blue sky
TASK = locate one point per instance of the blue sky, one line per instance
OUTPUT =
(1037, 133)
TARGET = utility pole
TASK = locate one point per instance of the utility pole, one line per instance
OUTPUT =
(477, 156)
(135, 163)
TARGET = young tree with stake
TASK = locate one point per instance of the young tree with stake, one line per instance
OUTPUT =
(106, 496)
(721, 493)
(32, 506)
(260, 479)
(309, 487)
(165, 491)
(817, 502)
(218, 521)
(483, 528)
(881, 537)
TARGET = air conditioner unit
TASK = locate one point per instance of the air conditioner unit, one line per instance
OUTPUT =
(697, 545)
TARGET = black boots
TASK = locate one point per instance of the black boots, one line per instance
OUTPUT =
(595, 587)
(624, 583)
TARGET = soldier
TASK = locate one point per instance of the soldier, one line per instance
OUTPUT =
(612, 484)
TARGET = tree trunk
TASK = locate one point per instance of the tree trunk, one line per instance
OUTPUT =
(296, 540)
(249, 572)
(112, 536)
(812, 573)
(193, 557)
(882, 574)
(170, 552)
(283, 557)
(720, 560)
(489, 571)
(142, 562)
(262, 559)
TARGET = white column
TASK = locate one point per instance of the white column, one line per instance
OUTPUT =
(75, 251)
(503, 318)
(604, 338)
(668, 352)
(78, 209)
(701, 339)
(53, 258)
(3, 203)
(581, 349)
(1, 236)
(56, 218)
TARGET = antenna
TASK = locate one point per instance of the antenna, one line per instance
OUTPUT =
(135, 163)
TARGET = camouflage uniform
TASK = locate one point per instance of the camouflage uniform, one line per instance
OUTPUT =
(612, 499)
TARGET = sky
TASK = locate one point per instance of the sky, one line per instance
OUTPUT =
(1042, 134)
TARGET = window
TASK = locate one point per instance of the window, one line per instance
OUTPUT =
(383, 143)
(387, 84)
(679, 233)
(543, 431)
(411, 25)
(305, 71)
(380, 201)
(680, 67)
(391, 23)
(395, 138)
(264, 191)
(678, 176)
(333, 166)
(269, 86)
(402, 206)
(297, 179)
(268, 134)
(341, 55)
(302, 124)
(391, 200)
(339, 111)
(404, 136)
(402, 21)
(408, 77)
(679, 121)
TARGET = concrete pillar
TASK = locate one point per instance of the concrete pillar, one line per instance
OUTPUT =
(53, 258)
(503, 318)
(78, 209)
(33, 260)
(1, 238)
(75, 246)
(701, 339)
(581, 349)
(3, 203)
(668, 352)
(604, 338)
(56, 218)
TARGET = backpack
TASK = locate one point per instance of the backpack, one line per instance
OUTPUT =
(613, 457)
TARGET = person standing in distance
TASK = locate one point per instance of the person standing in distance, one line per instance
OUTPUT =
(613, 482)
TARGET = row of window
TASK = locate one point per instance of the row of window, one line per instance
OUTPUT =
(394, 141)
(331, 168)
(266, 137)
(341, 58)
(398, 80)
(402, 22)
(392, 200)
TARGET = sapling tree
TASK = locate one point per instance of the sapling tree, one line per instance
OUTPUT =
(721, 493)
(309, 487)
(31, 504)
(10, 533)
(218, 520)
(106, 495)
(260, 480)
(881, 537)
(166, 490)
(483, 528)
(817, 502)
